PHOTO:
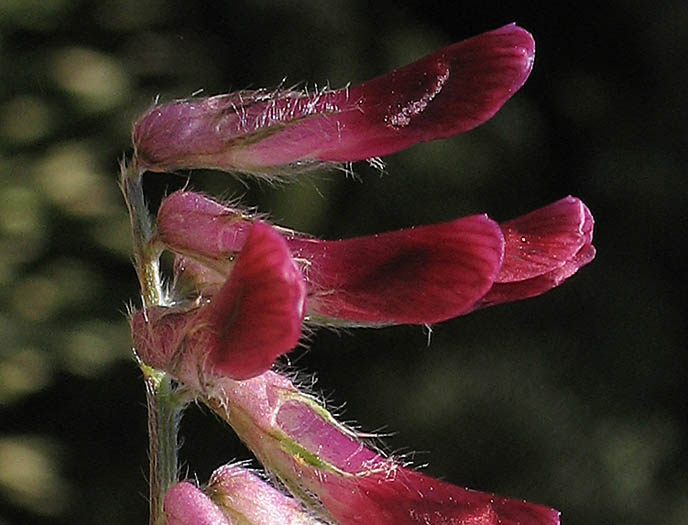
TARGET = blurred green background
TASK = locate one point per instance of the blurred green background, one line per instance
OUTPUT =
(574, 399)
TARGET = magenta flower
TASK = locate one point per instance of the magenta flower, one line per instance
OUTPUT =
(420, 275)
(242, 289)
(262, 132)
(355, 484)
(251, 277)
(337, 476)
(264, 291)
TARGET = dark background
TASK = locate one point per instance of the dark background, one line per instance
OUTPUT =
(573, 399)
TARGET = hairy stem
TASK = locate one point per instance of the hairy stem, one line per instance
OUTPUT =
(146, 249)
(165, 403)
(165, 408)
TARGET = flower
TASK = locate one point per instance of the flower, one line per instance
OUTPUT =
(254, 317)
(420, 275)
(234, 496)
(243, 288)
(271, 132)
(340, 478)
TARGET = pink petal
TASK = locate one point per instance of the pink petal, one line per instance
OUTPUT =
(256, 316)
(448, 92)
(543, 249)
(187, 505)
(332, 443)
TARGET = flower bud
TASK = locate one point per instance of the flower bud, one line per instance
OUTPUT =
(247, 499)
(185, 504)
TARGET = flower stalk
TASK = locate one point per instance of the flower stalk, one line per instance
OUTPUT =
(145, 249)
(165, 407)
(164, 402)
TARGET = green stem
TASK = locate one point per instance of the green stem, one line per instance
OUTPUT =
(165, 408)
(146, 249)
(164, 401)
